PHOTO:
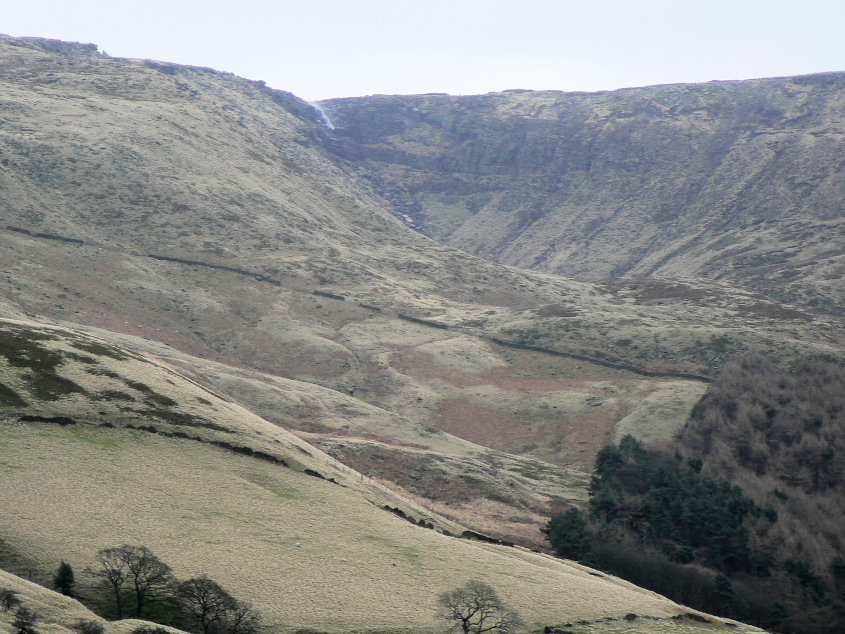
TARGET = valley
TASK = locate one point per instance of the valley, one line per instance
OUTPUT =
(428, 306)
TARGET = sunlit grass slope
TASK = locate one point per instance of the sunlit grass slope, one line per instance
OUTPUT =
(307, 552)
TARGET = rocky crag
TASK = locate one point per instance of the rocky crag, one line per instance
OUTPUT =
(736, 181)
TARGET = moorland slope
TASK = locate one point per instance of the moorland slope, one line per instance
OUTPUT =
(738, 181)
(223, 327)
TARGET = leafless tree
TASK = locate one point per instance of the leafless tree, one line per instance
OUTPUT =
(114, 572)
(146, 572)
(209, 603)
(476, 607)
(243, 619)
(216, 610)
(136, 566)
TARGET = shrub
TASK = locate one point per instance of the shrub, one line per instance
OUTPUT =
(24, 622)
(8, 599)
(88, 627)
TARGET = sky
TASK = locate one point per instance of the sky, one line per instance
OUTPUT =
(343, 48)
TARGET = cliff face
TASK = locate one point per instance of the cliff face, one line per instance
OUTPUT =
(740, 181)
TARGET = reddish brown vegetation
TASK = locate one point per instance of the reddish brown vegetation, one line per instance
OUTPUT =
(781, 437)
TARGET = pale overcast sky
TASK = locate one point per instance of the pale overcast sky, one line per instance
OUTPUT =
(340, 48)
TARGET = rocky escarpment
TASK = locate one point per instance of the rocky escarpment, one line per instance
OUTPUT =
(738, 181)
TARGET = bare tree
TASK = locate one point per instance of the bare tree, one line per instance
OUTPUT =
(476, 607)
(209, 603)
(146, 572)
(114, 572)
(136, 566)
(243, 619)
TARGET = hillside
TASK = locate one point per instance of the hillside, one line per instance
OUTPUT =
(57, 613)
(733, 181)
(186, 207)
(216, 331)
(213, 489)
(781, 436)
(741, 513)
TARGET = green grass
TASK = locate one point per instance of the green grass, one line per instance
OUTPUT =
(455, 213)
(96, 439)
(400, 552)
(269, 484)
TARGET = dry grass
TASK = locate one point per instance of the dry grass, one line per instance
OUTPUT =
(205, 166)
(655, 209)
(330, 419)
(57, 614)
(658, 415)
(305, 551)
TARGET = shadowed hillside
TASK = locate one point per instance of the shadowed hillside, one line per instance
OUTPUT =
(742, 513)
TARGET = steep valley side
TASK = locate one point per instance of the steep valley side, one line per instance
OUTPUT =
(736, 181)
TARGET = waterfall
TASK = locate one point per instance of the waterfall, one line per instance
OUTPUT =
(326, 120)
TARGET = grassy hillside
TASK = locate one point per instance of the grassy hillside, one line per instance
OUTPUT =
(458, 479)
(220, 343)
(58, 614)
(112, 448)
(307, 553)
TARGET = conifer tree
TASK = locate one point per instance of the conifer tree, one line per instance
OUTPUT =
(63, 581)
